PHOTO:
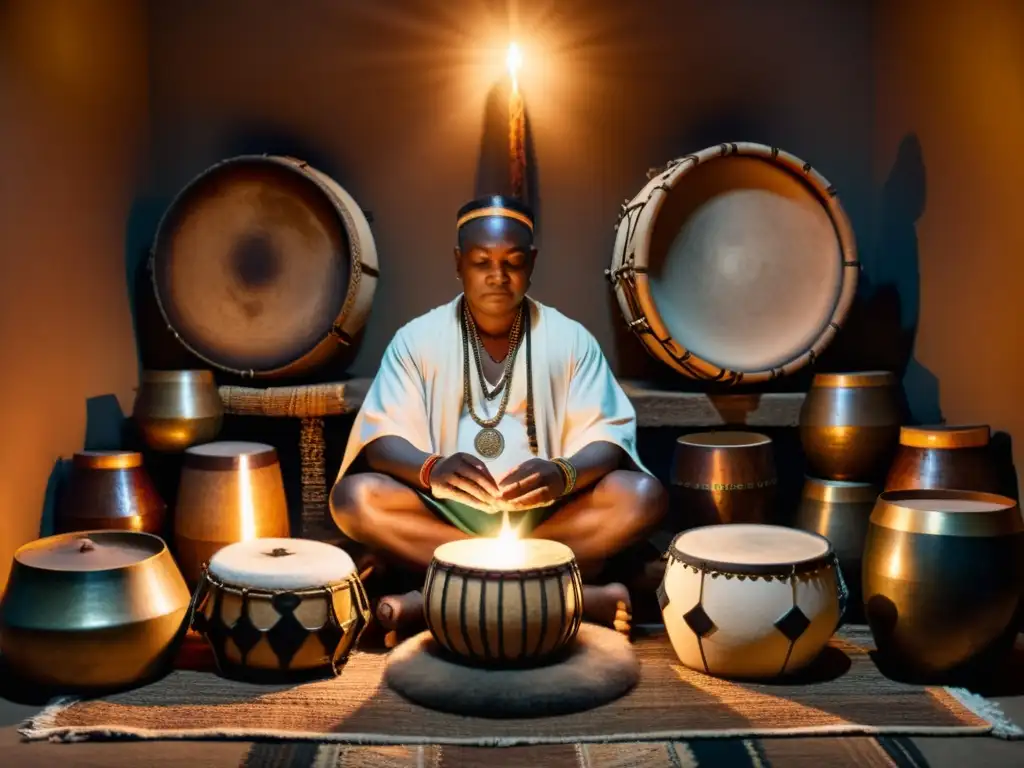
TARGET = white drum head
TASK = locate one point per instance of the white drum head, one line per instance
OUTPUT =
(750, 545)
(285, 564)
(745, 265)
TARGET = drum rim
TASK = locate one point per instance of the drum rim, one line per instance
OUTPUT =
(656, 192)
(502, 575)
(204, 461)
(780, 570)
(306, 171)
(889, 513)
(330, 588)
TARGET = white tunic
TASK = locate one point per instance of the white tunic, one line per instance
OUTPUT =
(417, 393)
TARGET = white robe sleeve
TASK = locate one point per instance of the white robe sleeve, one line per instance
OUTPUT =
(597, 409)
(395, 405)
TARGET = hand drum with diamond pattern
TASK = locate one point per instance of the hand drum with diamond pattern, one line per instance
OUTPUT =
(750, 601)
(280, 608)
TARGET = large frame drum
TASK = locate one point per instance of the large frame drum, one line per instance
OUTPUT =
(263, 266)
(735, 264)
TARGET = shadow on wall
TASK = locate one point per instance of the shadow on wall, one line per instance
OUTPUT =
(106, 429)
(156, 345)
(882, 328)
(492, 171)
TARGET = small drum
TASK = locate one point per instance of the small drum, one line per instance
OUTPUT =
(735, 264)
(492, 610)
(229, 491)
(263, 265)
(750, 601)
(280, 609)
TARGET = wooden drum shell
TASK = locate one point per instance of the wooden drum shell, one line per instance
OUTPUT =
(503, 618)
(260, 634)
(631, 257)
(350, 317)
(218, 505)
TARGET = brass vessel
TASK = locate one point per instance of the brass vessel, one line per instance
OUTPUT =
(723, 477)
(229, 492)
(943, 579)
(849, 425)
(839, 510)
(93, 610)
(954, 458)
(176, 409)
(110, 490)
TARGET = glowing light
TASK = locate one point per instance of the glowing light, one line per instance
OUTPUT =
(509, 550)
(514, 61)
(248, 508)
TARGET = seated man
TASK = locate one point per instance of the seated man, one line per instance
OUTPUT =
(495, 409)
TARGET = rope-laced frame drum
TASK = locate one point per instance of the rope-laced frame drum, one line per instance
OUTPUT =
(263, 266)
(735, 264)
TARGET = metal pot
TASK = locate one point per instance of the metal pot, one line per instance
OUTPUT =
(943, 579)
(849, 425)
(723, 477)
(93, 610)
(839, 511)
(110, 490)
(177, 409)
(954, 458)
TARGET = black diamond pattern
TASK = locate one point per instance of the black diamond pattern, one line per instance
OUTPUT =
(793, 623)
(285, 602)
(699, 621)
(662, 596)
(286, 638)
(245, 634)
(330, 635)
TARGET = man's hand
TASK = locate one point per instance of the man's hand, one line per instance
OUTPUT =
(532, 484)
(464, 478)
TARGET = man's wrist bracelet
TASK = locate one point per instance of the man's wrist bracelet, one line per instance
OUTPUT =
(427, 468)
(569, 471)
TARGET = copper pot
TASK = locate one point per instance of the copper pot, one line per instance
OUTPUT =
(110, 490)
(229, 492)
(955, 458)
(176, 409)
(839, 511)
(723, 477)
(849, 425)
(97, 609)
(943, 579)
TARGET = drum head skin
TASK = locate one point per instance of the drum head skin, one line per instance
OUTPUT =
(252, 264)
(281, 564)
(750, 548)
(744, 264)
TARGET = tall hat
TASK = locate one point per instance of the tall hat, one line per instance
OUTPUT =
(495, 205)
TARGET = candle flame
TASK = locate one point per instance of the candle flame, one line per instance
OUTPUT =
(509, 548)
(514, 60)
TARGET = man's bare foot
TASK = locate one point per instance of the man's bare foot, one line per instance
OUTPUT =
(401, 612)
(609, 606)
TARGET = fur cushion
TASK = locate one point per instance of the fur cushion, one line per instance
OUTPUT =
(598, 668)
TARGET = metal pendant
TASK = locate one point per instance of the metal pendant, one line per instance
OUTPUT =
(489, 443)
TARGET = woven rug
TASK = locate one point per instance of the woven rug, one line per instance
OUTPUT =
(851, 752)
(843, 695)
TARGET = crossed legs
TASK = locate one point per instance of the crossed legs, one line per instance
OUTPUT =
(390, 519)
